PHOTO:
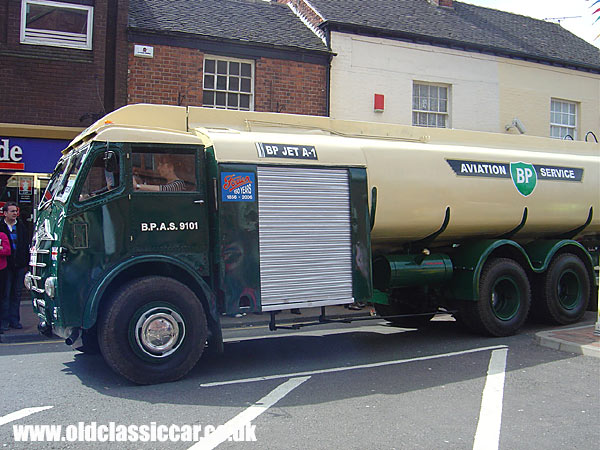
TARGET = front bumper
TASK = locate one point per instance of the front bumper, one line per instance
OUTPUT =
(47, 312)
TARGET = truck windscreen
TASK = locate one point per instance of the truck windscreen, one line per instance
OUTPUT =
(64, 177)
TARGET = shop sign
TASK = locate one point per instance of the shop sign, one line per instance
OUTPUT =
(30, 154)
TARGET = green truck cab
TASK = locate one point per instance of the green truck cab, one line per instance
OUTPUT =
(145, 273)
(159, 220)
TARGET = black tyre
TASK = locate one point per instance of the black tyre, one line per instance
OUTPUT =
(153, 331)
(504, 299)
(405, 302)
(89, 342)
(565, 291)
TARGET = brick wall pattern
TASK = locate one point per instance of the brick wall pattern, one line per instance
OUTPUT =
(174, 77)
(47, 85)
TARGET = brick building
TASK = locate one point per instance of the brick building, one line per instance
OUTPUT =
(235, 54)
(63, 64)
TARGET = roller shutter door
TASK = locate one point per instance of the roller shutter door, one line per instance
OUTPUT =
(304, 237)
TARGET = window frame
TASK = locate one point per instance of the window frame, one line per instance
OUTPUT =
(90, 165)
(429, 112)
(227, 91)
(560, 125)
(167, 149)
(26, 38)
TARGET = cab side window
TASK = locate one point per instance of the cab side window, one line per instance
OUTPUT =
(103, 176)
(163, 172)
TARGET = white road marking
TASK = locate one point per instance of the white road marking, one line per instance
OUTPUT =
(245, 417)
(360, 366)
(381, 329)
(21, 413)
(487, 436)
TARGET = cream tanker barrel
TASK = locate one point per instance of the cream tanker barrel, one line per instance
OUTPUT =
(492, 185)
(489, 191)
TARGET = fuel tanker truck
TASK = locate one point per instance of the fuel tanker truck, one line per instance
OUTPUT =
(160, 220)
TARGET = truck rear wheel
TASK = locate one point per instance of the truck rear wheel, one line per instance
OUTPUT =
(504, 299)
(153, 331)
(565, 291)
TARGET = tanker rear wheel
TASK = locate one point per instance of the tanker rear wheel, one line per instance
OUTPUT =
(504, 299)
(565, 291)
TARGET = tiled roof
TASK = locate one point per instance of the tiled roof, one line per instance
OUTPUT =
(465, 25)
(249, 21)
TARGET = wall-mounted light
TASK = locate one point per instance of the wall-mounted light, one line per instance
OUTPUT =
(516, 123)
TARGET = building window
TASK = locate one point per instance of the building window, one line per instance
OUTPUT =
(563, 119)
(430, 105)
(56, 24)
(228, 84)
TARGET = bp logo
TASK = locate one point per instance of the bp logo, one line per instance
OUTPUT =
(524, 177)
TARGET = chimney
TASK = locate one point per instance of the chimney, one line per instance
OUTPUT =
(445, 3)
(308, 14)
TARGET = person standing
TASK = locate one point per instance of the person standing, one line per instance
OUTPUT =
(4, 252)
(16, 265)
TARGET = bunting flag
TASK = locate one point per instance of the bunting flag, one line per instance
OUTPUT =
(595, 12)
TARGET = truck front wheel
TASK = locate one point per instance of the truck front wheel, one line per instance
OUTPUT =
(565, 291)
(504, 299)
(153, 331)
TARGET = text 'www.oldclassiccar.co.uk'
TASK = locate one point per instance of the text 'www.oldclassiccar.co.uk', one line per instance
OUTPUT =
(114, 432)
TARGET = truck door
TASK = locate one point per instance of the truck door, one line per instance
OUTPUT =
(169, 204)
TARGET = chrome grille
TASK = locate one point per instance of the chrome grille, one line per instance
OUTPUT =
(39, 259)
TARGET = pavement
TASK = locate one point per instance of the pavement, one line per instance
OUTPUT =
(29, 332)
(578, 338)
(573, 339)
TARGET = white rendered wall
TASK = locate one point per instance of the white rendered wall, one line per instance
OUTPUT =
(366, 66)
(486, 92)
(527, 89)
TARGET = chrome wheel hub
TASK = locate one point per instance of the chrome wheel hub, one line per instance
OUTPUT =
(159, 332)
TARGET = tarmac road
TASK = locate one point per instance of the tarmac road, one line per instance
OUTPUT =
(359, 385)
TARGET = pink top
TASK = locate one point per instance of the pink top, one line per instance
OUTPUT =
(4, 250)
